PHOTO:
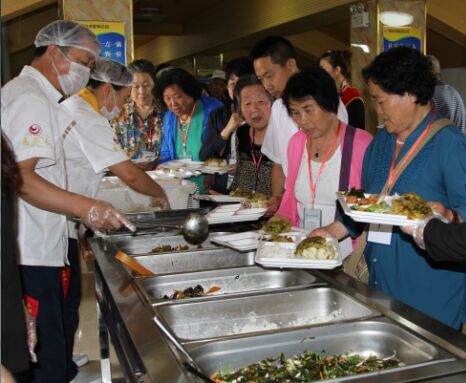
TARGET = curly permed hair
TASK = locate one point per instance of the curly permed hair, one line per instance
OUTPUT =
(402, 70)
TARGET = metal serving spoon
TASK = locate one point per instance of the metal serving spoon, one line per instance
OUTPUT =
(195, 228)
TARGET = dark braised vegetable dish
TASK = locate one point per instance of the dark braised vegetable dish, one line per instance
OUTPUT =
(168, 248)
(306, 367)
(191, 292)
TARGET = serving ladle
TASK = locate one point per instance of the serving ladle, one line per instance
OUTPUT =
(195, 228)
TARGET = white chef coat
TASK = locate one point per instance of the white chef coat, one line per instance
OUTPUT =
(90, 148)
(280, 129)
(30, 121)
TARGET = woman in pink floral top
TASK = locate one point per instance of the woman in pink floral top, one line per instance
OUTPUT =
(139, 127)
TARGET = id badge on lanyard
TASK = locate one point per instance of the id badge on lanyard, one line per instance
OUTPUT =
(312, 218)
(381, 234)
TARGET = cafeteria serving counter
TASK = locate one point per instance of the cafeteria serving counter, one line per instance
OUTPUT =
(254, 313)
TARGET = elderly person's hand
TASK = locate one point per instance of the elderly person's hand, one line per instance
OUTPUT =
(272, 205)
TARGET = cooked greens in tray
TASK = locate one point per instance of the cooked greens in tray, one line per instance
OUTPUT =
(277, 226)
(306, 367)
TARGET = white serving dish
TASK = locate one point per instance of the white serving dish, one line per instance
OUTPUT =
(214, 169)
(249, 240)
(219, 198)
(246, 241)
(218, 215)
(285, 257)
(369, 217)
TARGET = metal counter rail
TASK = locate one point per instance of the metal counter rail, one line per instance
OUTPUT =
(412, 319)
(146, 356)
(142, 350)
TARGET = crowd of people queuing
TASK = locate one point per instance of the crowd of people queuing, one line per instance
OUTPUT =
(296, 136)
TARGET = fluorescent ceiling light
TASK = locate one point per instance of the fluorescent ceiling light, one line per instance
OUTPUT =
(395, 19)
(364, 47)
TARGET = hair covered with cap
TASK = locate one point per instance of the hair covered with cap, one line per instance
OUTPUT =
(111, 71)
(66, 33)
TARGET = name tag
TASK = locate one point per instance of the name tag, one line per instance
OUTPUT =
(312, 218)
(380, 234)
(148, 155)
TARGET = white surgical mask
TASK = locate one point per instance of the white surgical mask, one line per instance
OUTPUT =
(76, 78)
(110, 115)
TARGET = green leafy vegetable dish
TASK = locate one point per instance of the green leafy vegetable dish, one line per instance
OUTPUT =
(306, 367)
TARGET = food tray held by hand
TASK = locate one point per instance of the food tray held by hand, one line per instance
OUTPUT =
(282, 254)
(227, 214)
(248, 240)
(219, 198)
(214, 169)
(371, 217)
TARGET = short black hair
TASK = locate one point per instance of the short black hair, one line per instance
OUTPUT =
(279, 49)
(177, 76)
(339, 58)
(239, 67)
(142, 66)
(96, 84)
(243, 82)
(402, 70)
(312, 82)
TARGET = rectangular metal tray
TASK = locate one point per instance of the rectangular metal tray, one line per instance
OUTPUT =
(144, 244)
(377, 337)
(170, 263)
(258, 313)
(230, 281)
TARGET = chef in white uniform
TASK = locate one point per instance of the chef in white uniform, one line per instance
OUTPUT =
(65, 52)
(91, 148)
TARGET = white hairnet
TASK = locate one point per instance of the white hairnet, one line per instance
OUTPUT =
(111, 71)
(66, 33)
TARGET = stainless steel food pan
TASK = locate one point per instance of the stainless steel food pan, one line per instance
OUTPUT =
(256, 313)
(230, 281)
(377, 337)
(145, 243)
(168, 263)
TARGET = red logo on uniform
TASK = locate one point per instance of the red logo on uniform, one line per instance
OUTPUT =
(35, 129)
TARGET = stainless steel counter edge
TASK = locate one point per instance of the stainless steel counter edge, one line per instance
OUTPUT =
(153, 350)
(414, 320)
(156, 362)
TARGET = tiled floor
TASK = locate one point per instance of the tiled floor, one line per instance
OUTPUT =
(87, 340)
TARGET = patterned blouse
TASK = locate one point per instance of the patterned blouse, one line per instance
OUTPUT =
(136, 134)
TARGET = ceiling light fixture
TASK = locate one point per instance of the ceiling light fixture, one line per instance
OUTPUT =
(395, 19)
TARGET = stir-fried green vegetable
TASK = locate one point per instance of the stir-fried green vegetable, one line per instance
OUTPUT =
(305, 367)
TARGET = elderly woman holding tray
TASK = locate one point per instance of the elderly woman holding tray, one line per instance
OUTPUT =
(414, 152)
(324, 156)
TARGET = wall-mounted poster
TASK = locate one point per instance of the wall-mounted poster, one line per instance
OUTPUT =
(398, 37)
(112, 37)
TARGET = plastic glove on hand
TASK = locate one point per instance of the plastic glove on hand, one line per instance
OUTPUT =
(101, 215)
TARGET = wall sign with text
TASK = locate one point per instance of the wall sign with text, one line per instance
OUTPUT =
(402, 37)
(112, 37)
